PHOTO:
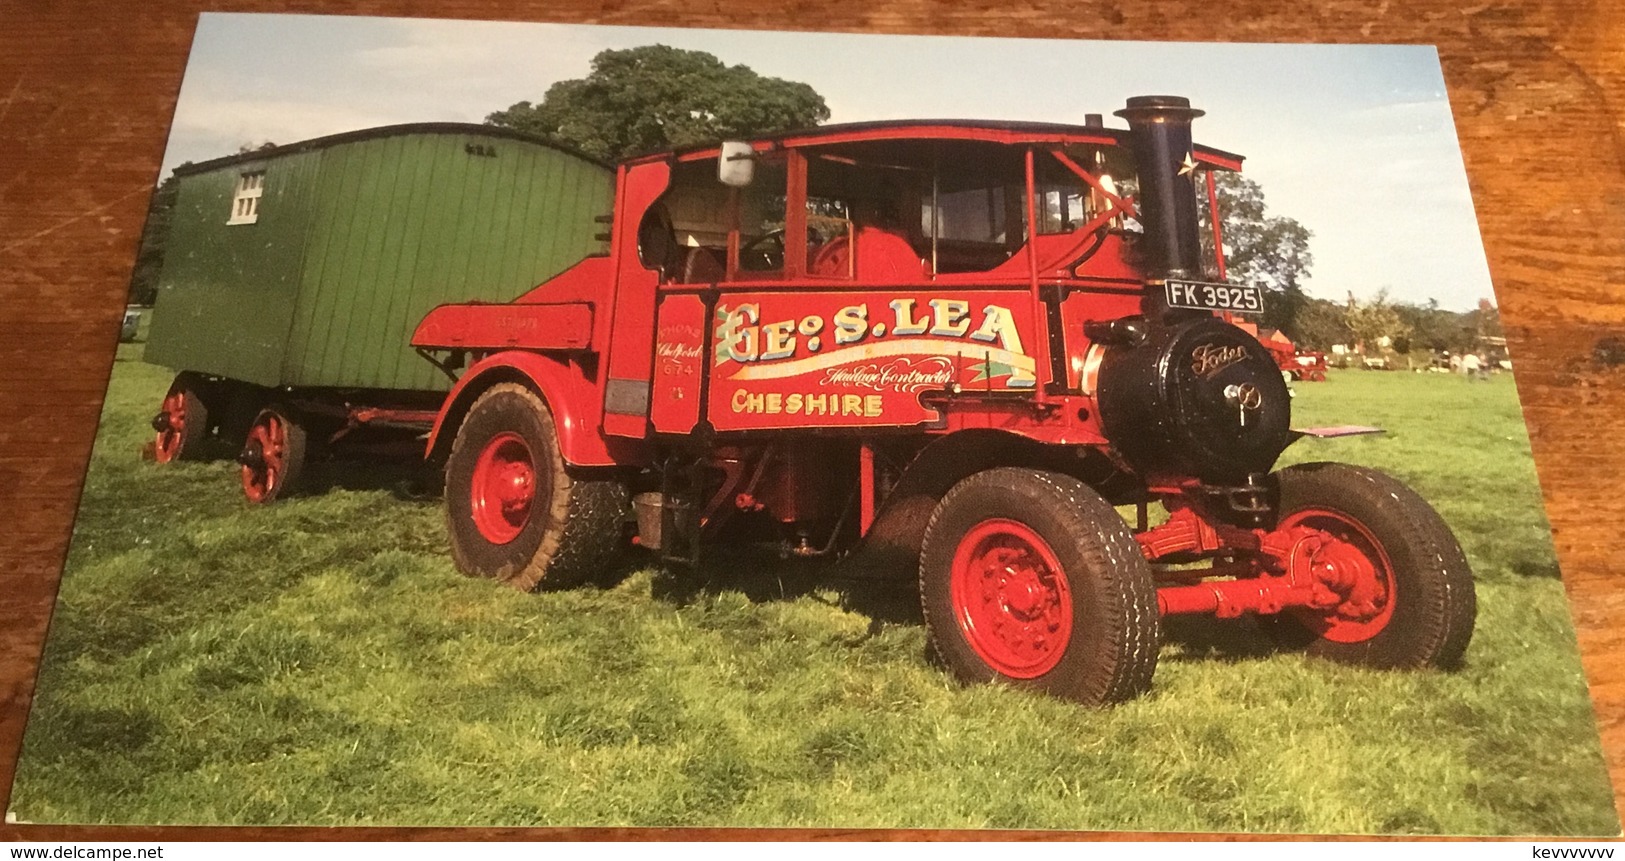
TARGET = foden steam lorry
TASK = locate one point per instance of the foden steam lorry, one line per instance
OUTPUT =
(951, 347)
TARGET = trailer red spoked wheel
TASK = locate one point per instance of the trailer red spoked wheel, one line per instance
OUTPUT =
(1031, 578)
(1404, 588)
(272, 457)
(503, 488)
(1351, 557)
(1011, 598)
(171, 425)
(181, 423)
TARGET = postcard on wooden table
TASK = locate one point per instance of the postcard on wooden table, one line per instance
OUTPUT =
(528, 424)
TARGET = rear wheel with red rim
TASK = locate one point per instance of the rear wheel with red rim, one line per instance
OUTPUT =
(182, 422)
(1406, 589)
(273, 456)
(515, 513)
(1031, 578)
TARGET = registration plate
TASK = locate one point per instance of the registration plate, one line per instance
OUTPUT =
(1208, 296)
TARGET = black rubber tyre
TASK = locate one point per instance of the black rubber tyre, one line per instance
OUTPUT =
(570, 529)
(182, 423)
(1434, 604)
(980, 615)
(273, 456)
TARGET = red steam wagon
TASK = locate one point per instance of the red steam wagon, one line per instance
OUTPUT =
(946, 347)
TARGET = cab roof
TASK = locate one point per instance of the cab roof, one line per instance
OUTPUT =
(993, 131)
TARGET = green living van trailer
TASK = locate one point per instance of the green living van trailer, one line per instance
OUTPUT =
(294, 276)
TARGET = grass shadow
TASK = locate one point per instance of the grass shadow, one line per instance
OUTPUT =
(1207, 639)
(405, 479)
(764, 575)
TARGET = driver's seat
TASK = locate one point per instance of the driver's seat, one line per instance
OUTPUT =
(881, 256)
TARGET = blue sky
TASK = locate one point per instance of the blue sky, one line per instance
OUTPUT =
(1354, 141)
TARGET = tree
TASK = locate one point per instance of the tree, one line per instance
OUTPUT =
(1374, 319)
(1431, 327)
(149, 261)
(1320, 324)
(656, 97)
(1271, 252)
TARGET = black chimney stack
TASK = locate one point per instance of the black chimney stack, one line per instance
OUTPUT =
(1160, 128)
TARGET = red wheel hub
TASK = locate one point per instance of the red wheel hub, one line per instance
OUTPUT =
(1011, 598)
(265, 457)
(173, 420)
(1352, 574)
(503, 489)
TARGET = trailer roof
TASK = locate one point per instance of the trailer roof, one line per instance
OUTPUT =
(383, 132)
(1006, 131)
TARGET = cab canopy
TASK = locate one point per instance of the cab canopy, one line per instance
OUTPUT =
(953, 200)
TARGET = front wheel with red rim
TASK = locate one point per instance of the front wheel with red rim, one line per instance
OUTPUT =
(273, 456)
(1030, 578)
(515, 512)
(1405, 595)
(181, 424)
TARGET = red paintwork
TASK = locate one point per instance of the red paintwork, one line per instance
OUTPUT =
(948, 130)
(1321, 565)
(632, 314)
(261, 482)
(174, 422)
(882, 257)
(551, 326)
(1337, 431)
(1306, 366)
(878, 381)
(679, 364)
(369, 415)
(856, 339)
(1011, 598)
(503, 489)
(1353, 564)
(584, 282)
(569, 392)
(866, 488)
(863, 359)
(1216, 218)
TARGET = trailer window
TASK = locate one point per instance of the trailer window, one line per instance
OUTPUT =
(245, 203)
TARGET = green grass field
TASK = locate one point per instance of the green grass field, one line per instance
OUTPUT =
(320, 662)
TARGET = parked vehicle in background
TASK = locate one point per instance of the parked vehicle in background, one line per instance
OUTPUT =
(131, 326)
(948, 348)
(296, 275)
(1310, 366)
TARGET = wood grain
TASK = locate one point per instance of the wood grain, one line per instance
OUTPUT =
(87, 89)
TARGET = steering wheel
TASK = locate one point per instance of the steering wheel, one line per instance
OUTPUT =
(765, 253)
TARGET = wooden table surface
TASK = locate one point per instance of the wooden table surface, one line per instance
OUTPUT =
(87, 88)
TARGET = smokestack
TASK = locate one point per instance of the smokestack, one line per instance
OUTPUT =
(1160, 136)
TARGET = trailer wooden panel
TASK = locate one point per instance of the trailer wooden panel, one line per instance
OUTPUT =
(357, 237)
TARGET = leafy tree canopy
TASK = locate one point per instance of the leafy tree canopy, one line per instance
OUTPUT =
(1374, 319)
(149, 261)
(656, 97)
(1271, 252)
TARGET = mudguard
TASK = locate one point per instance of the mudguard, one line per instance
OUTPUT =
(575, 400)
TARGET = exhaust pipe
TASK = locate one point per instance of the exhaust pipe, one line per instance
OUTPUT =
(1160, 137)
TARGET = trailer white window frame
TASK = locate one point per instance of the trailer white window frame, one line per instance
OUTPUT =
(245, 203)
